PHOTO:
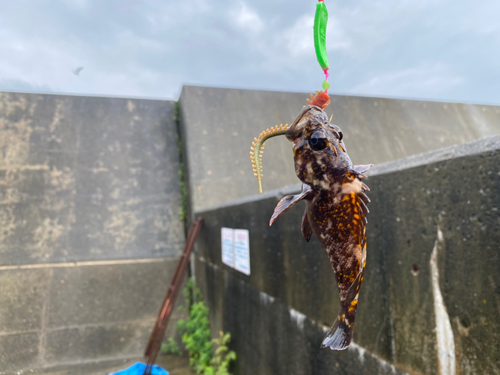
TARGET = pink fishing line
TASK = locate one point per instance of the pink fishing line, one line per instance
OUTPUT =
(326, 77)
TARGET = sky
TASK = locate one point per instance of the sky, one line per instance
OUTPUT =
(445, 50)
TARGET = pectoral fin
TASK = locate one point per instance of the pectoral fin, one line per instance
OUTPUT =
(288, 202)
(306, 228)
(362, 168)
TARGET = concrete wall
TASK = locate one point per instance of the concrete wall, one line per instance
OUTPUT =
(220, 124)
(433, 261)
(90, 230)
(89, 225)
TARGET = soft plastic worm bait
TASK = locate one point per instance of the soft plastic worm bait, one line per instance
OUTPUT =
(257, 150)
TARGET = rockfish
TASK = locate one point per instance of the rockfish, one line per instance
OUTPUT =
(335, 204)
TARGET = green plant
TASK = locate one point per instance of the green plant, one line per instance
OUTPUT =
(196, 336)
(175, 115)
(183, 210)
(171, 347)
(223, 356)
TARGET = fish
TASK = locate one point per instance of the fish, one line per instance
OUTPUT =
(336, 204)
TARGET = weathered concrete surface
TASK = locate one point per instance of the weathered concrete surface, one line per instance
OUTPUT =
(294, 272)
(457, 151)
(64, 315)
(103, 294)
(90, 232)
(87, 178)
(22, 299)
(19, 351)
(271, 339)
(71, 345)
(458, 197)
(219, 125)
(461, 199)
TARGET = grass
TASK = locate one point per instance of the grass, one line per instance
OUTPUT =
(207, 356)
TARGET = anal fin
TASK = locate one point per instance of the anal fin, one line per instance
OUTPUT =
(306, 228)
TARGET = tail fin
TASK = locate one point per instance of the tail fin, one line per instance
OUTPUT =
(340, 335)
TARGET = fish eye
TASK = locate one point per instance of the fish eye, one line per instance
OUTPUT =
(341, 135)
(318, 141)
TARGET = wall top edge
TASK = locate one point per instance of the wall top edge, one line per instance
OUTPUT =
(488, 144)
(186, 88)
(453, 152)
(93, 96)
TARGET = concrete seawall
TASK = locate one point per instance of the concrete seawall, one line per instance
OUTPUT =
(439, 212)
(219, 125)
(89, 226)
(91, 231)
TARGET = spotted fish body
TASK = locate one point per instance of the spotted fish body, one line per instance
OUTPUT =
(335, 209)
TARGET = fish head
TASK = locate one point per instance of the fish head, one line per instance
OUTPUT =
(320, 154)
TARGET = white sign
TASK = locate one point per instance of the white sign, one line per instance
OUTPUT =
(227, 235)
(236, 249)
(242, 251)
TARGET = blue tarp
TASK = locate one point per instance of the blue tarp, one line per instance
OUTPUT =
(138, 369)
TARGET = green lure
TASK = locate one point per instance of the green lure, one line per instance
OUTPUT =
(320, 21)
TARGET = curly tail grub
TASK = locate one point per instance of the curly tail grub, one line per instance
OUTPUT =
(257, 148)
(322, 99)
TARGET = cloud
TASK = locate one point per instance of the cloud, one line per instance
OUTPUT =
(424, 80)
(439, 49)
(129, 40)
(22, 86)
(161, 16)
(76, 4)
(37, 62)
(299, 37)
(246, 18)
